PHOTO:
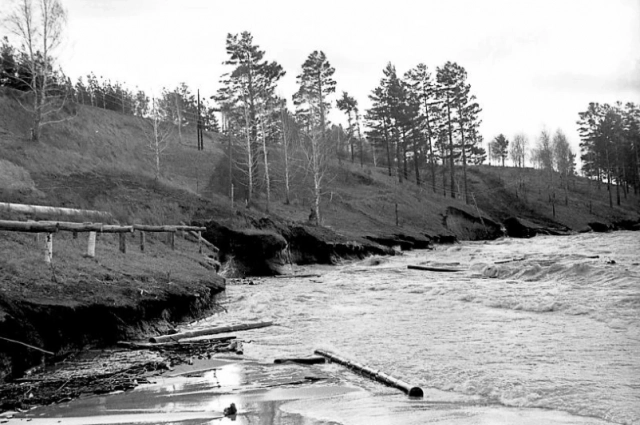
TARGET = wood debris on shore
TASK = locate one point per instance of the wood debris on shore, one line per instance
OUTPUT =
(91, 372)
(209, 331)
(434, 269)
(105, 371)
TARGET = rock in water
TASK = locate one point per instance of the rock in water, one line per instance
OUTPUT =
(231, 410)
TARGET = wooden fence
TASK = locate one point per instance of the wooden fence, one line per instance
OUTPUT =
(51, 227)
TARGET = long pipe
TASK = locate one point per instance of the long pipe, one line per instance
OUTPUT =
(41, 209)
(54, 226)
(373, 374)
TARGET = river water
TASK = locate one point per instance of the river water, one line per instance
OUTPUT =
(552, 329)
(528, 332)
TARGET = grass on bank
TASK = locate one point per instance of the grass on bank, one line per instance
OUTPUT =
(111, 276)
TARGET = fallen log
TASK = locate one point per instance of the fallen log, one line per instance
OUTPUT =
(291, 276)
(508, 261)
(26, 345)
(209, 331)
(434, 269)
(148, 345)
(302, 360)
(410, 390)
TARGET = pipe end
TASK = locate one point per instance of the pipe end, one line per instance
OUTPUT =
(416, 392)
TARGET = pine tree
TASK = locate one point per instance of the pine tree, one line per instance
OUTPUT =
(420, 83)
(349, 105)
(249, 88)
(500, 147)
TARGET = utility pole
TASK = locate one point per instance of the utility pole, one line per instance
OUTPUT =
(199, 126)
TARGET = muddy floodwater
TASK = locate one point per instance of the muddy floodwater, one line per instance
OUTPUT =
(545, 330)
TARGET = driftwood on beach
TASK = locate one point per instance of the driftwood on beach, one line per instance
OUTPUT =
(209, 331)
(434, 269)
(148, 345)
(302, 360)
(410, 390)
(511, 260)
(291, 276)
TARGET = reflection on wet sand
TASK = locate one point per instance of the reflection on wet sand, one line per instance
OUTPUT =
(257, 390)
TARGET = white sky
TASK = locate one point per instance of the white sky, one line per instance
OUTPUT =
(531, 64)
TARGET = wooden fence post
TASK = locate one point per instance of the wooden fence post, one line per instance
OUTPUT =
(142, 240)
(91, 246)
(199, 242)
(123, 242)
(172, 239)
(48, 248)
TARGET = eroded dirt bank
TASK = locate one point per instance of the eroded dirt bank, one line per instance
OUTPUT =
(67, 323)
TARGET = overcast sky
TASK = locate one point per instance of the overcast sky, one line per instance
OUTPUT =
(531, 64)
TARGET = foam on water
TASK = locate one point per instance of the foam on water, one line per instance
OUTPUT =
(533, 323)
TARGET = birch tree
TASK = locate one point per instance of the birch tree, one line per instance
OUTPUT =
(518, 149)
(157, 132)
(315, 85)
(289, 150)
(38, 26)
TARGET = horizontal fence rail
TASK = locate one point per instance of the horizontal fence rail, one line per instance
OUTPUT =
(51, 227)
(56, 226)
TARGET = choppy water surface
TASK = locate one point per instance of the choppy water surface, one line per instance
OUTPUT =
(553, 329)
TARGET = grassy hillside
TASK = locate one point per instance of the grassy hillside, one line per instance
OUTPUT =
(99, 160)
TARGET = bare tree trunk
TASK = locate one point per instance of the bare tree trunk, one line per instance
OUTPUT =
(635, 145)
(266, 166)
(360, 139)
(156, 146)
(316, 186)
(416, 163)
(386, 143)
(609, 180)
(464, 157)
(250, 158)
(230, 153)
(373, 153)
(444, 179)
(285, 145)
(350, 134)
(398, 159)
(404, 155)
(431, 159)
(451, 160)
(179, 114)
